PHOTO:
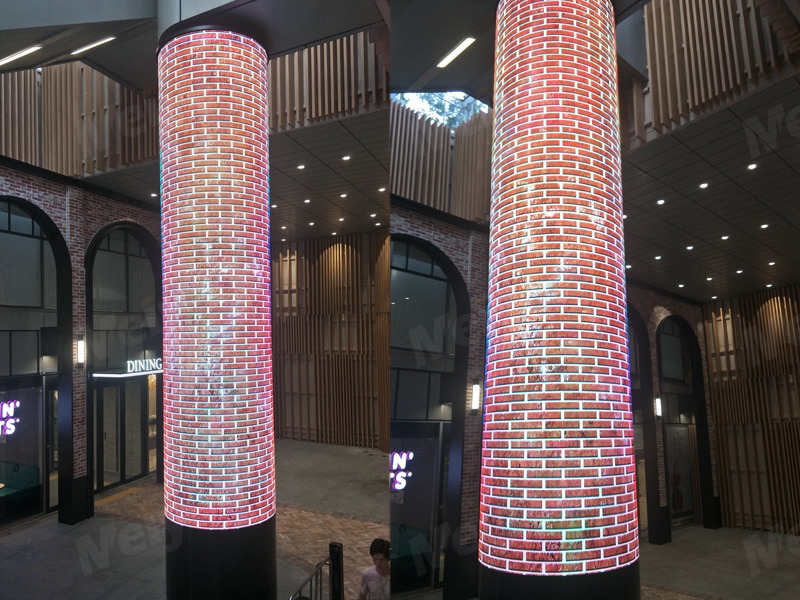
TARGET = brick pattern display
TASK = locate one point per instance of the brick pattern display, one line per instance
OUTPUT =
(654, 307)
(219, 447)
(558, 477)
(469, 250)
(79, 215)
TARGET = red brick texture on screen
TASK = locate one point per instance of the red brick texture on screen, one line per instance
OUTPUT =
(558, 492)
(218, 440)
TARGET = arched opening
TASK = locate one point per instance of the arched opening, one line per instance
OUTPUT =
(36, 470)
(429, 349)
(653, 519)
(124, 368)
(685, 425)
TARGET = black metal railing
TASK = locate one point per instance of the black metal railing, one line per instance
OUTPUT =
(318, 587)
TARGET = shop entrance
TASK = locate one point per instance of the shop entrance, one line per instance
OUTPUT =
(685, 428)
(124, 415)
(418, 504)
(124, 358)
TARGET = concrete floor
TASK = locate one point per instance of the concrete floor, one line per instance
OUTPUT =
(331, 493)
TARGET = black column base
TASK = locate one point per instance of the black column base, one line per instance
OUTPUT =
(617, 584)
(222, 563)
(75, 501)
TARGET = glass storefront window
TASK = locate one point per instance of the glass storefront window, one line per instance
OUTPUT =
(20, 449)
(125, 329)
(27, 321)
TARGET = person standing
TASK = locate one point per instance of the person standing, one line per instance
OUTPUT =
(375, 579)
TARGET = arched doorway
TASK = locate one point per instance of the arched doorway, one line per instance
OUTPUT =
(654, 523)
(124, 367)
(35, 365)
(685, 426)
(429, 346)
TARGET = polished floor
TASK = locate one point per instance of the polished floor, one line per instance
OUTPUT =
(332, 493)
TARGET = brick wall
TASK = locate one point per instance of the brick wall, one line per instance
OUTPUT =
(468, 249)
(558, 476)
(218, 437)
(653, 307)
(79, 215)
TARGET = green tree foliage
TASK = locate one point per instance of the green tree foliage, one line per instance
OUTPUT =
(449, 108)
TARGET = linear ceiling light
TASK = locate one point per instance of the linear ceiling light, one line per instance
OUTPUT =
(90, 46)
(19, 54)
(456, 51)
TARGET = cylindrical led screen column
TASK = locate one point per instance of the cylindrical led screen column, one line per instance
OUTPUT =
(558, 499)
(219, 488)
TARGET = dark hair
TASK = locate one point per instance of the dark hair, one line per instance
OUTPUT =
(379, 546)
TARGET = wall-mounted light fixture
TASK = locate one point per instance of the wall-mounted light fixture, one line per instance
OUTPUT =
(477, 396)
(658, 407)
(81, 350)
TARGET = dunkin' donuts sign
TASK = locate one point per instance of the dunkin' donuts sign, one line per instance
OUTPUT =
(8, 422)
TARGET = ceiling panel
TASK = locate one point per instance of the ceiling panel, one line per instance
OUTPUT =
(738, 200)
(322, 182)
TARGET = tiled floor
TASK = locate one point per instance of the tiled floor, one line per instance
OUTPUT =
(330, 493)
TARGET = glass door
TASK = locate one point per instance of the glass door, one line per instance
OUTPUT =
(416, 505)
(51, 440)
(108, 437)
(135, 428)
(122, 431)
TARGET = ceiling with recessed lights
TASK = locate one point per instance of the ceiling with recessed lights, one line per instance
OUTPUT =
(746, 218)
(363, 179)
(712, 241)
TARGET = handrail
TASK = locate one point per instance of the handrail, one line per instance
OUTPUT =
(315, 583)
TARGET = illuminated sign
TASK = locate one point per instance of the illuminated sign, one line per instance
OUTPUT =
(144, 366)
(8, 423)
(147, 366)
(400, 473)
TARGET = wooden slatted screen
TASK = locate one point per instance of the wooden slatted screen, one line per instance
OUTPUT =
(19, 119)
(330, 322)
(472, 162)
(340, 78)
(754, 363)
(420, 158)
(91, 123)
(702, 53)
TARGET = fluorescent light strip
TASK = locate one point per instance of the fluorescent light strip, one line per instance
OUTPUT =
(458, 50)
(90, 46)
(122, 375)
(19, 54)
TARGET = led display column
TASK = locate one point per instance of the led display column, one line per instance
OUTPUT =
(558, 499)
(219, 489)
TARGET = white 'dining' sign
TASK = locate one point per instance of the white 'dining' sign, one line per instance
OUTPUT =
(144, 366)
